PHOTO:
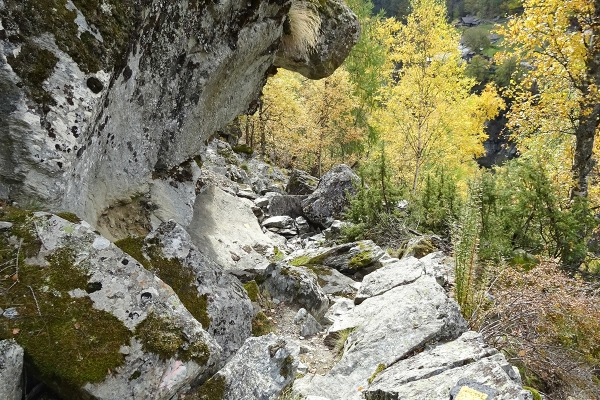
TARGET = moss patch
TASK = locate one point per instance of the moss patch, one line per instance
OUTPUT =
(212, 389)
(114, 20)
(242, 148)
(286, 369)
(252, 290)
(306, 260)
(34, 65)
(261, 325)
(161, 336)
(24, 229)
(535, 393)
(65, 339)
(181, 279)
(361, 260)
(379, 370)
(72, 218)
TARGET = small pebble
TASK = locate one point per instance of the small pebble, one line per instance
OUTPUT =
(11, 313)
(4, 226)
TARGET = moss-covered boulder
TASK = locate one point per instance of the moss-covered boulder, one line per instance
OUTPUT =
(215, 298)
(356, 259)
(94, 323)
(296, 285)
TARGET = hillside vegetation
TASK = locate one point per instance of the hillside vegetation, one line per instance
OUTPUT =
(409, 113)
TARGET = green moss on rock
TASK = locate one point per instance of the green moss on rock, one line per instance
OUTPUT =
(181, 279)
(378, 370)
(162, 337)
(287, 369)
(114, 20)
(243, 148)
(72, 218)
(24, 229)
(252, 290)
(261, 325)
(66, 340)
(361, 260)
(212, 389)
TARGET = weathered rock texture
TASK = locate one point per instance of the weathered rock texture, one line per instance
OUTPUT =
(228, 307)
(117, 330)
(11, 370)
(330, 200)
(96, 96)
(261, 370)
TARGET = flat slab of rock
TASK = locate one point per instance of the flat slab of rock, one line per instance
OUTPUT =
(11, 370)
(225, 230)
(435, 372)
(262, 368)
(387, 328)
(394, 273)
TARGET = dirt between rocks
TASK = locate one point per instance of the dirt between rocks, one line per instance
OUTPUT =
(314, 354)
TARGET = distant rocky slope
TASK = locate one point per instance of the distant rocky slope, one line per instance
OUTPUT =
(97, 97)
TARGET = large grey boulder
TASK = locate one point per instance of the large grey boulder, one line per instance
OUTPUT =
(296, 285)
(387, 329)
(338, 32)
(11, 370)
(225, 230)
(263, 367)
(433, 373)
(229, 311)
(330, 199)
(301, 183)
(97, 98)
(286, 205)
(117, 330)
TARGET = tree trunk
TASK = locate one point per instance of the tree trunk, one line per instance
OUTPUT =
(583, 162)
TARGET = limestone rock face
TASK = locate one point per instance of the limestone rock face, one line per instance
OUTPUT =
(228, 307)
(11, 370)
(433, 373)
(262, 368)
(97, 98)
(103, 299)
(337, 23)
(329, 200)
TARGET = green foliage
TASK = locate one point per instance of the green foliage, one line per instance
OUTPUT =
(521, 210)
(437, 205)
(507, 70)
(376, 192)
(476, 38)
(478, 69)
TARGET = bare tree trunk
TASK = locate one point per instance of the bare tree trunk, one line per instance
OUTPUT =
(583, 161)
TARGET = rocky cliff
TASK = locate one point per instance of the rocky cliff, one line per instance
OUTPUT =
(97, 97)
